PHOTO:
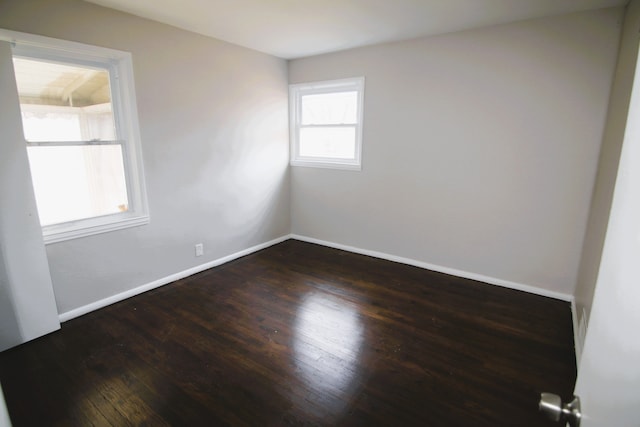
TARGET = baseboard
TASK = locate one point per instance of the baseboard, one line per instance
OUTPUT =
(165, 280)
(197, 269)
(447, 270)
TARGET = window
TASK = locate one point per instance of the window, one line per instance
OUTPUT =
(81, 133)
(326, 123)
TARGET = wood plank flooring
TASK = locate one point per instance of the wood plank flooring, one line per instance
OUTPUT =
(300, 334)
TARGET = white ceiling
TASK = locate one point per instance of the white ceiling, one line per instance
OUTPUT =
(297, 28)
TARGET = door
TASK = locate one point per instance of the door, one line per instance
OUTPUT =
(608, 381)
(27, 303)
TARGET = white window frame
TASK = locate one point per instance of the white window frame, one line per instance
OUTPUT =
(123, 100)
(296, 92)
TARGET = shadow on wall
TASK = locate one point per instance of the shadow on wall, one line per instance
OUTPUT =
(256, 175)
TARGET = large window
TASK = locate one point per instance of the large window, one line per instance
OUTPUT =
(81, 134)
(326, 123)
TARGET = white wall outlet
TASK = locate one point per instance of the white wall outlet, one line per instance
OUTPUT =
(199, 249)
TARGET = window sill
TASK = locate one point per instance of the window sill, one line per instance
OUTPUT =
(75, 230)
(326, 165)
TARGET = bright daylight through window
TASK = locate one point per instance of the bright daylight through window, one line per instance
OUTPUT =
(326, 123)
(77, 169)
(80, 129)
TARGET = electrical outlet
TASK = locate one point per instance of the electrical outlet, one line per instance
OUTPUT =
(199, 249)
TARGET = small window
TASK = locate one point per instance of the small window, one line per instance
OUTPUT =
(81, 134)
(326, 123)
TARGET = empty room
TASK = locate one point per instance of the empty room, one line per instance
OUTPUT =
(319, 213)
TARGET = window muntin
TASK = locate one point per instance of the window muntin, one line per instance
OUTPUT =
(81, 131)
(326, 123)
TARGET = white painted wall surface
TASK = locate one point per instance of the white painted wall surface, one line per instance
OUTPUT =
(213, 122)
(608, 164)
(479, 152)
(609, 373)
(27, 303)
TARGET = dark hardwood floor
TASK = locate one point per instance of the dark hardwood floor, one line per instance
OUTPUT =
(299, 334)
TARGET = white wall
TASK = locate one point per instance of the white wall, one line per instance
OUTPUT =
(27, 304)
(479, 152)
(213, 121)
(608, 164)
(609, 373)
(480, 148)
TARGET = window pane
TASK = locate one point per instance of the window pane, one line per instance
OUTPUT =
(76, 182)
(329, 142)
(330, 108)
(64, 102)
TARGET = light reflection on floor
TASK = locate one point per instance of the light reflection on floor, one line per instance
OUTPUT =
(328, 335)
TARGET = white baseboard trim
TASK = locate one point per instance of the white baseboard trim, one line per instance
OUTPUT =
(452, 271)
(72, 314)
(165, 280)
